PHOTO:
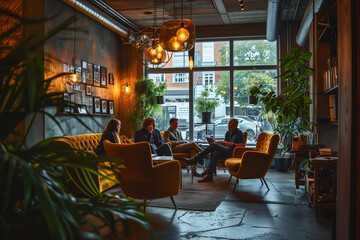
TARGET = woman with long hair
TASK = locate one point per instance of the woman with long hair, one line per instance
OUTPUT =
(111, 134)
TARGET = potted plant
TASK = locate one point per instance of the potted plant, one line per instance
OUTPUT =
(160, 91)
(146, 93)
(35, 200)
(205, 106)
(292, 105)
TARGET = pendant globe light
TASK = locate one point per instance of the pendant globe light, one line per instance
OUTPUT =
(149, 51)
(178, 34)
(74, 77)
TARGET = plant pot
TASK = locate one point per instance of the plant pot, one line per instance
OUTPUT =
(160, 99)
(252, 100)
(281, 164)
(206, 117)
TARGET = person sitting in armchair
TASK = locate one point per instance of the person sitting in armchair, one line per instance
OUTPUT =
(220, 149)
(148, 133)
(173, 136)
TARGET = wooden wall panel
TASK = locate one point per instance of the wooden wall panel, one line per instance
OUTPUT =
(131, 70)
(357, 199)
(348, 170)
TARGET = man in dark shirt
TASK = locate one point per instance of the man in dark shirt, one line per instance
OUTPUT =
(221, 149)
(153, 136)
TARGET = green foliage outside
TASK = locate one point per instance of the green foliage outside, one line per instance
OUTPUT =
(145, 101)
(34, 198)
(257, 52)
(204, 104)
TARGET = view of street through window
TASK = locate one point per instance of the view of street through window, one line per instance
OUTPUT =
(253, 64)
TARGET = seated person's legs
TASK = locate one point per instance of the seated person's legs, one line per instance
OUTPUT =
(212, 147)
(164, 150)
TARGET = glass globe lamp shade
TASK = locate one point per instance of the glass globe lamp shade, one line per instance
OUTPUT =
(155, 54)
(176, 44)
(127, 90)
(170, 40)
(182, 34)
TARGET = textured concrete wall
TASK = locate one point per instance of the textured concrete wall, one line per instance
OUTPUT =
(99, 46)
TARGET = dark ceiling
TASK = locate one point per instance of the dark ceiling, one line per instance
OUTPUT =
(203, 12)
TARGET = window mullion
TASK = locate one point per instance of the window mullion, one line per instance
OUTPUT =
(231, 78)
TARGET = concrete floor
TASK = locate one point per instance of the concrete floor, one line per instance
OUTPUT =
(251, 212)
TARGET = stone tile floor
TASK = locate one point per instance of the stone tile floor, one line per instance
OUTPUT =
(251, 212)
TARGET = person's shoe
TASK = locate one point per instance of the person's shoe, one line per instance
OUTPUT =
(203, 173)
(190, 161)
(207, 178)
(196, 174)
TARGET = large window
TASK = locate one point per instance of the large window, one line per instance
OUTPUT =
(223, 80)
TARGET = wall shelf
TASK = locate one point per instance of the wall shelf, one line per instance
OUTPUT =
(325, 35)
(85, 115)
(332, 90)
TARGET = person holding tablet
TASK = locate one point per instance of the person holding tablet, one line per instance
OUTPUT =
(220, 149)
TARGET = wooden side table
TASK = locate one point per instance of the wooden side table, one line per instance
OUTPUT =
(325, 177)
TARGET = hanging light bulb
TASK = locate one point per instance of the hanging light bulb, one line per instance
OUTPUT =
(127, 90)
(74, 77)
(191, 63)
(182, 34)
(175, 43)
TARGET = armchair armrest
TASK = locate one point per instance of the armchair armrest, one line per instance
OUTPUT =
(170, 173)
(239, 151)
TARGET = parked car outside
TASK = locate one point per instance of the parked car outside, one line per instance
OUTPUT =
(221, 127)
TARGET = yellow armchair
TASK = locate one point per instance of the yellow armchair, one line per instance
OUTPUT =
(253, 163)
(221, 164)
(140, 179)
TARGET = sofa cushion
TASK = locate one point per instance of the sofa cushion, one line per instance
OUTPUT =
(233, 164)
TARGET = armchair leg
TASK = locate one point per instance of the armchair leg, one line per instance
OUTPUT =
(144, 205)
(261, 181)
(229, 179)
(237, 180)
(172, 199)
(266, 184)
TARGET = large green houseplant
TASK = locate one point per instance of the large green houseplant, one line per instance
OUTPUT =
(291, 107)
(35, 202)
(204, 104)
(145, 93)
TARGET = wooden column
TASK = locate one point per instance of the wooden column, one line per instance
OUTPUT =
(347, 226)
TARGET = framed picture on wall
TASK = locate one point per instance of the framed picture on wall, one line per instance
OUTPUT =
(67, 101)
(103, 74)
(111, 79)
(77, 87)
(82, 109)
(76, 97)
(97, 105)
(111, 107)
(88, 90)
(96, 76)
(104, 106)
(87, 72)
(89, 105)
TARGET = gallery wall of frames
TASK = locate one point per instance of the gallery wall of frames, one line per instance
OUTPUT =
(92, 76)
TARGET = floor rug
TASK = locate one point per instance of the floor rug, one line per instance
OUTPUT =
(194, 196)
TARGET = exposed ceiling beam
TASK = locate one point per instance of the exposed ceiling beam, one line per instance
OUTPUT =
(220, 7)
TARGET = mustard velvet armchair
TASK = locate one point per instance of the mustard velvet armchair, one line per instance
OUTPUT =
(140, 179)
(248, 163)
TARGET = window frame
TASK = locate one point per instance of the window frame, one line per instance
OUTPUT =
(231, 68)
